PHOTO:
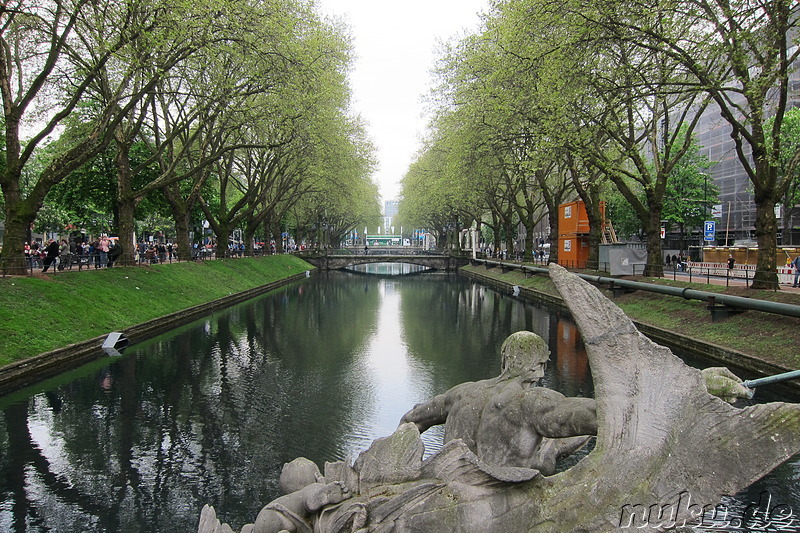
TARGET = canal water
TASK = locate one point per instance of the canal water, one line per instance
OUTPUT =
(208, 413)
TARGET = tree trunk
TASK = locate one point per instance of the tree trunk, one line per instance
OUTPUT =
(654, 266)
(222, 233)
(127, 226)
(552, 216)
(595, 217)
(249, 233)
(182, 235)
(126, 202)
(765, 277)
(275, 233)
(508, 228)
(19, 217)
(180, 217)
(478, 235)
(18, 223)
(529, 247)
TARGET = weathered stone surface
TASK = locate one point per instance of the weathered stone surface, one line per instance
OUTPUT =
(508, 421)
(391, 459)
(723, 383)
(210, 524)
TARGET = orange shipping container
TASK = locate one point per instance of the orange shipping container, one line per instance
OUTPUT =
(573, 251)
(573, 219)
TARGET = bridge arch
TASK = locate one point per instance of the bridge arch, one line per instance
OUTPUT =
(334, 261)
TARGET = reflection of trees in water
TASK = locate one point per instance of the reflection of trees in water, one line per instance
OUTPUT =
(83, 478)
(482, 318)
(21, 462)
(208, 419)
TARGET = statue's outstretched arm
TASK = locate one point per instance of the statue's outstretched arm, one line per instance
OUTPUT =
(428, 414)
(570, 417)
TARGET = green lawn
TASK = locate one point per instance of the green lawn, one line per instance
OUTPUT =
(41, 313)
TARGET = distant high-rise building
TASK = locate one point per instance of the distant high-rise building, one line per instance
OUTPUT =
(389, 212)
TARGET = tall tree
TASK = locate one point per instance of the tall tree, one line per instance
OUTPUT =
(638, 106)
(231, 63)
(789, 171)
(52, 53)
(741, 53)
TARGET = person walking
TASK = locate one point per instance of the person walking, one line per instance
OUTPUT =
(73, 252)
(81, 251)
(35, 254)
(731, 261)
(94, 253)
(114, 253)
(63, 254)
(52, 251)
(796, 265)
(104, 245)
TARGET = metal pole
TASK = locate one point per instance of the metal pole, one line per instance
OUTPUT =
(786, 376)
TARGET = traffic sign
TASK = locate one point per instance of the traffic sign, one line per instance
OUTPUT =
(709, 230)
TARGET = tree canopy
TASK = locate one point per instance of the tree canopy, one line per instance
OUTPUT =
(240, 110)
(610, 94)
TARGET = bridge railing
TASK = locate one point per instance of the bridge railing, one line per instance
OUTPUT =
(385, 250)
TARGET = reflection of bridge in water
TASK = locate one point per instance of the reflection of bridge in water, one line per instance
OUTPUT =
(339, 259)
(388, 270)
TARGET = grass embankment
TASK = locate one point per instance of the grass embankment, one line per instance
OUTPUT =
(42, 313)
(768, 337)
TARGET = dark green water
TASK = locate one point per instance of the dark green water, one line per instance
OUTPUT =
(210, 412)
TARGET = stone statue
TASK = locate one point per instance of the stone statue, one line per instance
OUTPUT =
(508, 420)
(305, 494)
(666, 450)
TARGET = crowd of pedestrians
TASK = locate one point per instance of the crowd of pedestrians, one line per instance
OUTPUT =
(154, 253)
(64, 254)
(105, 251)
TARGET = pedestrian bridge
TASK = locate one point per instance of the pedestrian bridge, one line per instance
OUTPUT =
(337, 261)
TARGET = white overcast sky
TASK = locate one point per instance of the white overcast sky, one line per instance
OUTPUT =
(396, 45)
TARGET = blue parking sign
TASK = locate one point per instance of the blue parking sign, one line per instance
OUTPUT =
(709, 230)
